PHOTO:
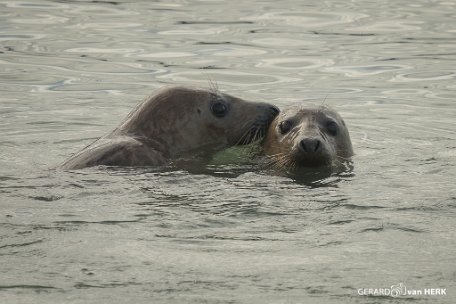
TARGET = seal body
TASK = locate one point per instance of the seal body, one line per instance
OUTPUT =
(307, 137)
(178, 122)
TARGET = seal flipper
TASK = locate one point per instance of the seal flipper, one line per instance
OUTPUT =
(123, 151)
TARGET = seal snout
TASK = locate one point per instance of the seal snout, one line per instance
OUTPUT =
(267, 113)
(274, 111)
(311, 151)
(262, 123)
(270, 114)
(268, 117)
(310, 145)
(256, 126)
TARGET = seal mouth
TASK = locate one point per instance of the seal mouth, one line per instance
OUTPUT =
(257, 130)
(311, 156)
(293, 162)
(312, 152)
(312, 161)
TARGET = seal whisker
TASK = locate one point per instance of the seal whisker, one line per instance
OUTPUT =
(246, 131)
(251, 132)
(324, 100)
(343, 158)
(323, 134)
(213, 86)
(272, 159)
(259, 133)
(280, 161)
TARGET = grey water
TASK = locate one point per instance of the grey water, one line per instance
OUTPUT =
(70, 71)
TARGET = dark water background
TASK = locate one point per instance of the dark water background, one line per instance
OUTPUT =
(71, 70)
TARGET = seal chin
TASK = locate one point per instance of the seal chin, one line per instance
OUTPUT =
(313, 160)
(258, 129)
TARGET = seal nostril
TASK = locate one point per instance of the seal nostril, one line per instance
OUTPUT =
(310, 145)
(317, 145)
(303, 145)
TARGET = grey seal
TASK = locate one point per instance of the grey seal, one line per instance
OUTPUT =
(307, 137)
(178, 122)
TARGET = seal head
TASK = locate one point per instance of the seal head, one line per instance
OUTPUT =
(180, 120)
(176, 123)
(307, 137)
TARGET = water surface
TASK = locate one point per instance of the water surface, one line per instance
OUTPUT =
(71, 70)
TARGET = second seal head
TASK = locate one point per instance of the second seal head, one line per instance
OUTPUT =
(307, 137)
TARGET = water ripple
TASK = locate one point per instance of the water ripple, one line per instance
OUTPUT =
(70, 71)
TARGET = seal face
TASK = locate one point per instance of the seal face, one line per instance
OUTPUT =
(307, 137)
(175, 123)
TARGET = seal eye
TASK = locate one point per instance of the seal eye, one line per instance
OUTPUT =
(219, 109)
(285, 126)
(332, 127)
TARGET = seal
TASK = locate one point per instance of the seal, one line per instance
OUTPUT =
(176, 123)
(306, 137)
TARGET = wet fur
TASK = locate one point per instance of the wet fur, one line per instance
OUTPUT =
(281, 152)
(176, 122)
